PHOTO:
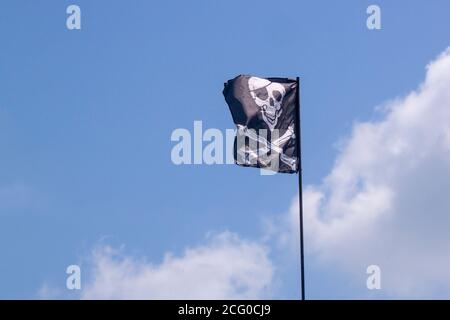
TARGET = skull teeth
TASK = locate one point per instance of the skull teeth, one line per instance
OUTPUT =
(270, 117)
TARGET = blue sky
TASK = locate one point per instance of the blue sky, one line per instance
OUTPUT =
(86, 118)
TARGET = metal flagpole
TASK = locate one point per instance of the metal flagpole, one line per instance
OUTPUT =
(300, 189)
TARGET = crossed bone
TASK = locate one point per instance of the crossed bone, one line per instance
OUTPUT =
(265, 146)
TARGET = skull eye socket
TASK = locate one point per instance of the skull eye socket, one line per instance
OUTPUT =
(261, 93)
(277, 95)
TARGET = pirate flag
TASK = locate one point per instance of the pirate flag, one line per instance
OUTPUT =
(265, 113)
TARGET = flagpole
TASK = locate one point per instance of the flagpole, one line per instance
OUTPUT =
(300, 190)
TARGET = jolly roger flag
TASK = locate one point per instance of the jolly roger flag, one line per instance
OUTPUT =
(266, 115)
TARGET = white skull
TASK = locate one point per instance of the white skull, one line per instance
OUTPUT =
(268, 96)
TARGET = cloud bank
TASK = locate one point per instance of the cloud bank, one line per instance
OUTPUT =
(386, 200)
(225, 267)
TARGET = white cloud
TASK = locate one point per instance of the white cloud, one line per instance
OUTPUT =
(386, 200)
(225, 267)
(48, 292)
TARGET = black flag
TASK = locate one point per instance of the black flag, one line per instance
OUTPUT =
(265, 113)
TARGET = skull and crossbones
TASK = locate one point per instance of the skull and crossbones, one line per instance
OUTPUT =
(269, 97)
